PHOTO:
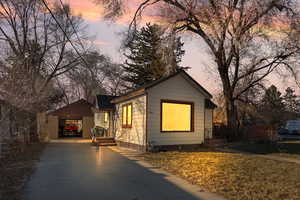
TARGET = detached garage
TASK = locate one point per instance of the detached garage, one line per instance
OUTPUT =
(73, 120)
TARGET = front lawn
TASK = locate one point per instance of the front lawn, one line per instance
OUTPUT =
(235, 176)
(286, 148)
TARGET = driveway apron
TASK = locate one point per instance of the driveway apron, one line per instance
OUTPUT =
(83, 172)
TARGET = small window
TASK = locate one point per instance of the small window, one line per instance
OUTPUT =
(127, 115)
(106, 116)
(176, 116)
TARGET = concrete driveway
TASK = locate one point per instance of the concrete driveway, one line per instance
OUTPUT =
(83, 172)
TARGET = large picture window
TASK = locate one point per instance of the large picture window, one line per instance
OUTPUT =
(127, 115)
(177, 116)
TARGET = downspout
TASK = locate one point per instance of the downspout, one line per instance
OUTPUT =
(204, 113)
(146, 132)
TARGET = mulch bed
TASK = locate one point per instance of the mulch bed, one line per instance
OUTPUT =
(15, 169)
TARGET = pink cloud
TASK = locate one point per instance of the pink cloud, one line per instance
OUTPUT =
(89, 10)
(132, 6)
(86, 8)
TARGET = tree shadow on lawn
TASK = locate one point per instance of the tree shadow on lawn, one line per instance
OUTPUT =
(269, 147)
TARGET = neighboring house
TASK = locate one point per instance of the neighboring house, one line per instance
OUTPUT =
(5, 123)
(15, 123)
(103, 112)
(170, 112)
(293, 126)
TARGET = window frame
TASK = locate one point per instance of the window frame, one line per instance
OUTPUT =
(127, 125)
(177, 102)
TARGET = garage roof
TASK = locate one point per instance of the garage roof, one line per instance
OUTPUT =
(79, 108)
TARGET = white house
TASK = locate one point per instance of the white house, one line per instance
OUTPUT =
(170, 112)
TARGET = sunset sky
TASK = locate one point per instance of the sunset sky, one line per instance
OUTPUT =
(106, 36)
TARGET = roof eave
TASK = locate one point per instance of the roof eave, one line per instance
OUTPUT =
(129, 96)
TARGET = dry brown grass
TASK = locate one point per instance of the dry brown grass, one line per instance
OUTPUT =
(235, 176)
(15, 168)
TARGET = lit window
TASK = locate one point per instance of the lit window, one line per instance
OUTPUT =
(176, 116)
(127, 115)
(124, 115)
(106, 117)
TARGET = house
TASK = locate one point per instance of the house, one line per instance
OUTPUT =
(170, 112)
(15, 124)
(5, 121)
(73, 120)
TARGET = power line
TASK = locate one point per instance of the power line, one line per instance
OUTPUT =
(73, 27)
(68, 38)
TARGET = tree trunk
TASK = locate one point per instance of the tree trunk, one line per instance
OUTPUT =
(232, 118)
(231, 110)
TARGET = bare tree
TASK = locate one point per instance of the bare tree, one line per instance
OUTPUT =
(99, 76)
(250, 38)
(114, 83)
(35, 47)
(87, 78)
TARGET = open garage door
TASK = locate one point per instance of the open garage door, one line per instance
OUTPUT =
(70, 128)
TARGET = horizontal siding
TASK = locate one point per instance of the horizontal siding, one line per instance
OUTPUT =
(87, 125)
(136, 134)
(99, 120)
(175, 88)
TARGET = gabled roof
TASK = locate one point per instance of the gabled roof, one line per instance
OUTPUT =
(140, 90)
(104, 102)
(79, 108)
(209, 104)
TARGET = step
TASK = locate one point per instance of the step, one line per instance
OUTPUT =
(105, 141)
(107, 144)
(104, 138)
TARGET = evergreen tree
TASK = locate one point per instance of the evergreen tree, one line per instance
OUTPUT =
(272, 108)
(151, 54)
(291, 101)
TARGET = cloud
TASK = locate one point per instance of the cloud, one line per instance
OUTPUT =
(90, 11)
(86, 8)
